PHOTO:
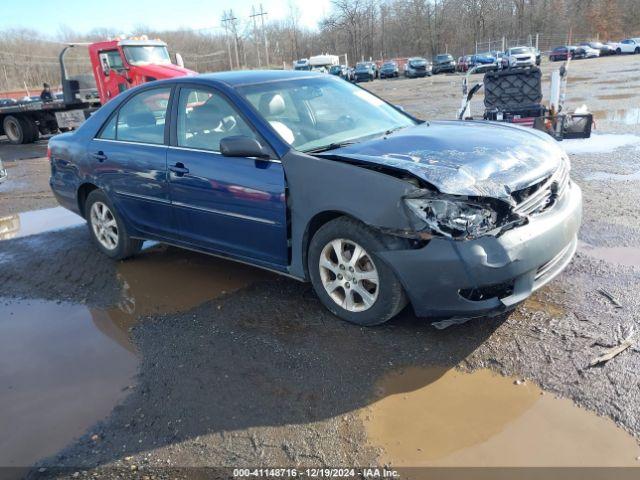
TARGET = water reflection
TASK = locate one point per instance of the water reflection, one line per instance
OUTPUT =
(37, 221)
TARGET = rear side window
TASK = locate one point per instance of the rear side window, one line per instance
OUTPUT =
(141, 119)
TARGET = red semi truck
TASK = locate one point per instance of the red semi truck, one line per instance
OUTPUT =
(116, 65)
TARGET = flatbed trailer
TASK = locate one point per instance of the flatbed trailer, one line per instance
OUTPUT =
(24, 123)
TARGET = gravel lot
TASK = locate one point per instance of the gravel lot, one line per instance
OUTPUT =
(257, 373)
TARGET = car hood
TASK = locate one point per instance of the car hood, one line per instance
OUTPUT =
(474, 158)
(165, 71)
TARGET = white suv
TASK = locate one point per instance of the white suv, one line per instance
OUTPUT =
(630, 45)
(521, 57)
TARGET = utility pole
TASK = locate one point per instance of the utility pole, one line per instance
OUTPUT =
(225, 20)
(230, 19)
(255, 33)
(264, 37)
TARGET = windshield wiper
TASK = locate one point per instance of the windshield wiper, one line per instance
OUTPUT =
(331, 146)
(394, 129)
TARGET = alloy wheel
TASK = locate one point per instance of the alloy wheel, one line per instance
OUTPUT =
(349, 275)
(104, 225)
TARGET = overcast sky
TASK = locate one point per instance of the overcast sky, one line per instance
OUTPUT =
(83, 15)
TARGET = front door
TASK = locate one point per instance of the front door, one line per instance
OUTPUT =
(228, 205)
(130, 156)
(114, 78)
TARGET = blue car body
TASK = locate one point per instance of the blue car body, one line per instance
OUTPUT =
(264, 211)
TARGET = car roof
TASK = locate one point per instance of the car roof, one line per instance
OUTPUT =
(246, 77)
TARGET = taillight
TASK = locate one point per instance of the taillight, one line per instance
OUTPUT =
(49, 153)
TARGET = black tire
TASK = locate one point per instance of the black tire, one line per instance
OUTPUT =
(637, 50)
(16, 129)
(32, 130)
(391, 297)
(126, 246)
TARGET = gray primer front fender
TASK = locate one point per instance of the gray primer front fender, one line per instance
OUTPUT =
(318, 185)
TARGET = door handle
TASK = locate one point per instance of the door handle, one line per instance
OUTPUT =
(100, 156)
(179, 169)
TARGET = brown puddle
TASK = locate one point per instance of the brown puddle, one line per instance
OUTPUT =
(37, 221)
(165, 280)
(629, 256)
(440, 417)
(627, 116)
(58, 376)
(63, 367)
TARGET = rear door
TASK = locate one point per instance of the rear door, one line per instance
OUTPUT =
(230, 205)
(129, 158)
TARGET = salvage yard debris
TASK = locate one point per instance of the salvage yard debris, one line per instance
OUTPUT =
(613, 351)
(610, 297)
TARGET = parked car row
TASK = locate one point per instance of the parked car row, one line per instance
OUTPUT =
(9, 102)
(519, 56)
(594, 49)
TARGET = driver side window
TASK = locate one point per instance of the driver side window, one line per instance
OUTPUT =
(205, 118)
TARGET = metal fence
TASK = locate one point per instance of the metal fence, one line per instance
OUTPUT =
(544, 42)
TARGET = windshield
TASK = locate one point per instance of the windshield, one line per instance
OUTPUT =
(520, 50)
(147, 55)
(389, 65)
(362, 66)
(311, 113)
(444, 57)
(418, 62)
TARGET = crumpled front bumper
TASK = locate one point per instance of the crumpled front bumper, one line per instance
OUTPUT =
(516, 263)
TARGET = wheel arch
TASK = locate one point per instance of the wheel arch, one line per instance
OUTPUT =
(83, 192)
(314, 224)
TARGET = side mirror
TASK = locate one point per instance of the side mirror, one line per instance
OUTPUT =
(104, 63)
(242, 146)
(179, 60)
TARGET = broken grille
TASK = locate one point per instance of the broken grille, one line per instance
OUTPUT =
(542, 195)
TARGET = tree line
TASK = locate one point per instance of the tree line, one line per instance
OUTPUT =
(361, 29)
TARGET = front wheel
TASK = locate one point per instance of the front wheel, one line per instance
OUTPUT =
(351, 281)
(107, 229)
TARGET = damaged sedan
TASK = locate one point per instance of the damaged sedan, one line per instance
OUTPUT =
(320, 180)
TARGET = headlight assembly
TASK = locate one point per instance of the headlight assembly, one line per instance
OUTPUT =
(454, 218)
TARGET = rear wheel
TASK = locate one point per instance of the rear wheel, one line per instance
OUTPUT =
(637, 50)
(107, 228)
(350, 280)
(32, 129)
(17, 129)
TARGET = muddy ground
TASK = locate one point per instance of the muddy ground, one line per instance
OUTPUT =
(238, 367)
